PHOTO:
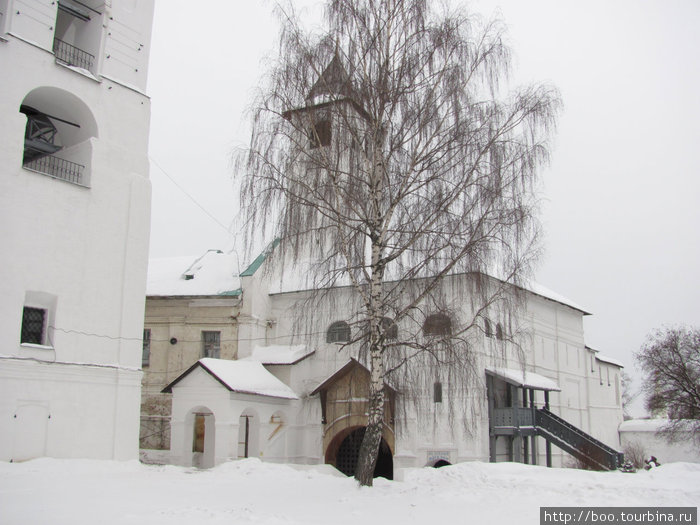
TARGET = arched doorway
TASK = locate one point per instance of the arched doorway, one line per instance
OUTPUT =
(441, 463)
(349, 449)
(200, 426)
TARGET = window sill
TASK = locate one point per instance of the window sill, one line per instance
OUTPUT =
(79, 70)
(36, 346)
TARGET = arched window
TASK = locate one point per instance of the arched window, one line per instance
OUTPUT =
(437, 324)
(391, 330)
(499, 332)
(487, 328)
(57, 137)
(338, 332)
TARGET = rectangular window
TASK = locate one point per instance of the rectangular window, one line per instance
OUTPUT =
(320, 134)
(146, 352)
(33, 320)
(211, 344)
(437, 393)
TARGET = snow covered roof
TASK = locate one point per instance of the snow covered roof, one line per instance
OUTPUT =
(526, 379)
(609, 360)
(245, 377)
(545, 292)
(642, 425)
(280, 354)
(214, 273)
(300, 277)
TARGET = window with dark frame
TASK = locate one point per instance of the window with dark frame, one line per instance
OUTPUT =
(33, 321)
(211, 344)
(437, 392)
(320, 134)
(438, 325)
(338, 332)
(391, 330)
(499, 332)
(487, 328)
(146, 351)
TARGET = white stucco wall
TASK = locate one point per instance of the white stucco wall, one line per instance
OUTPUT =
(81, 249)
(274, 434)
(553, 346)
(643, 433)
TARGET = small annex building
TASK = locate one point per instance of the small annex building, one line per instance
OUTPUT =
(226, 406)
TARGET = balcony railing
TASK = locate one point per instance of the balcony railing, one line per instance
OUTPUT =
(513, 417)
(72, 56)
(58, 169)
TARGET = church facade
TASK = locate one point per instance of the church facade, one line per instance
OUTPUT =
(297, 389)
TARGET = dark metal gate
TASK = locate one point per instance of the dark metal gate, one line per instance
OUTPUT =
(349, 450)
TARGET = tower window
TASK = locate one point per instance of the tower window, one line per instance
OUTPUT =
(320, 134)
(499, 332)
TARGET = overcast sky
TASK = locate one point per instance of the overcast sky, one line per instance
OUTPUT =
(620, 210)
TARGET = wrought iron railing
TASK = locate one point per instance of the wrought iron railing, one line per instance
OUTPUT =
(71, 55)
(58, 168)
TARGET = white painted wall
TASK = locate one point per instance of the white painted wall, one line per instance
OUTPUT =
(554, 347)
(273, 434)
(643, 433)
(83, 249)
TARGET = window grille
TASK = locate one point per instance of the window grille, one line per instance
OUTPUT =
(71, 55)
(211, 342)
(58, 168)
(338, 332)
(146, 353)
(33, 325)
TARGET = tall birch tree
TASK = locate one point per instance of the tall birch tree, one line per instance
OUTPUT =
(386, 146)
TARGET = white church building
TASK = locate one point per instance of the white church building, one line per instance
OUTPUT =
(300, 396)
(75, 207)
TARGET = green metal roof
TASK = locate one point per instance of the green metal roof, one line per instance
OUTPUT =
(232, 293)
(257, 263)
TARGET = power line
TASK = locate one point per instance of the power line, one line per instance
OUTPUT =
(183, 190)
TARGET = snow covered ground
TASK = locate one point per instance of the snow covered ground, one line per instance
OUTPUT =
(76, 492)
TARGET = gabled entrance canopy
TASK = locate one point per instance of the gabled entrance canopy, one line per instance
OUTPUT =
(348, 367)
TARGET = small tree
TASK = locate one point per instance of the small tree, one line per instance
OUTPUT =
(383, 150)
(670, 359)
(628, 394)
